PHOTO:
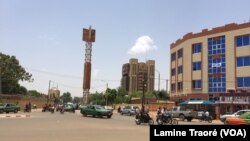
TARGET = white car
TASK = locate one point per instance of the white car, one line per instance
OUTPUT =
(109, 108)
(236, 114)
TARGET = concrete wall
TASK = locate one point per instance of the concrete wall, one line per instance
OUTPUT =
(22, 101)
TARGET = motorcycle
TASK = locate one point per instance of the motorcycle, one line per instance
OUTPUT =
(165, 118)
(209, 119)
(143, 118)
(62, 110)
(52, 109)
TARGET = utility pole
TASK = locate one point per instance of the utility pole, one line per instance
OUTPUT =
(167, 85)
(106, 94)
(106, 100)
(48, 91)
(143, 90)
(159, 78)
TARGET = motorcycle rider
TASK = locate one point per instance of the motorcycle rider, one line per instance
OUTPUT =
(144, 113)
(206, 114)
(159, 112)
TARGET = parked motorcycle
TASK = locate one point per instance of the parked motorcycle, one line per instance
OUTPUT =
(209, 119)
(165, 118)
(143, 118)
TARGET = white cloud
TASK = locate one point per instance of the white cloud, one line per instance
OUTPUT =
(142, 45)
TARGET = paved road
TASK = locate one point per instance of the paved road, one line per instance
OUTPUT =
(39, 126)
(70, 127)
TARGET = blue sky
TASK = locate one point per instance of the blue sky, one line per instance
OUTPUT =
(46, 35)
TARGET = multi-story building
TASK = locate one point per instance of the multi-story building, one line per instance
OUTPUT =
(138, 76)
(214, 65)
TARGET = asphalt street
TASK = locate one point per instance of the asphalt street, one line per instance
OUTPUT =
(44, 126)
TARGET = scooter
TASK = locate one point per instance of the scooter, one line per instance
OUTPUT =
(143, 118)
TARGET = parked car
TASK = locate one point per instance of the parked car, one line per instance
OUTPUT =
(95, 110)
(9, 107)
(129, 110)
(182, 113)
(243, 119)
(109, 108)
(236, 114)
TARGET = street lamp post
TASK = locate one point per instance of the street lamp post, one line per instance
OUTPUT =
(106, 101)
(143, 90)
(107, 95)
(159, 78)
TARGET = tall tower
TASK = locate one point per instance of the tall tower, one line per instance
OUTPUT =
(88, 37)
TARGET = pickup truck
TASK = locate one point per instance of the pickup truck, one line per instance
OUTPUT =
(95, 110)
(9, 107)
(182, 113)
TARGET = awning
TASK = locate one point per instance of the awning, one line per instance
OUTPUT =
(198, 102)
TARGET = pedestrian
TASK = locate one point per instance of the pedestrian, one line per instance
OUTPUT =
(29, 106)
(207, 114)
(119, 109)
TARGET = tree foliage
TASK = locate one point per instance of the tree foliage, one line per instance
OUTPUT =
(77, 99)
(11, 72)
(161, 95)
(97, 98)
(66, 97)
(34, 93)
(113, 96)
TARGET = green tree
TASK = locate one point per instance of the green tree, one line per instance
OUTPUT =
(66, 97)
(136, 94)
(77, 99)
(161, 95)
(110, 94)
(57, 100)
(34, 93)
(11, 72)
(97, 98)
(121, 91)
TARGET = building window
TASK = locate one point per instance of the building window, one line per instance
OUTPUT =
(173, 87)
(196, 84)
(196, 66)
(173, 56)
(242, 40)
(179, 86)
(243, 81)
(243, 61)
(172, 72)
(179, 69)
(196, 48)
(216, 64)
(179, 53)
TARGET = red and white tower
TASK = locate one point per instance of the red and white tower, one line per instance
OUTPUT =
(88, 37)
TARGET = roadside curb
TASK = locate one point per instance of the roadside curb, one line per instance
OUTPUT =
(14, 116)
